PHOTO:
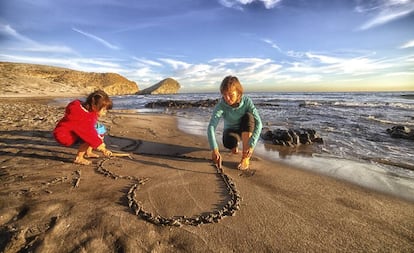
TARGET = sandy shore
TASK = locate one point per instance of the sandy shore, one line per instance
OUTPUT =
(49, 204)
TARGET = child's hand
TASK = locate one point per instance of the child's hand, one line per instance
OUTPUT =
(216, 157)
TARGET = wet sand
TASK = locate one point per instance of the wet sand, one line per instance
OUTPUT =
(169, 198)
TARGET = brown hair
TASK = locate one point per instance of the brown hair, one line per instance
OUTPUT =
(229, 83)
(97, 100)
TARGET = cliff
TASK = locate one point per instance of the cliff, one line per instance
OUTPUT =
(166, 86)
(40, 80)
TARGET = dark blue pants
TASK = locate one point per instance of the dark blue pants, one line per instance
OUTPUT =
(231, 137)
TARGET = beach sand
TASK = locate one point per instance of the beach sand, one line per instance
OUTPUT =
(49, 204)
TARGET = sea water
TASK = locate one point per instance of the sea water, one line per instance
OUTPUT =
(356, 146)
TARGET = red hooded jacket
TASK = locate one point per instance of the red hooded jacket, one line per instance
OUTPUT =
(77, 124)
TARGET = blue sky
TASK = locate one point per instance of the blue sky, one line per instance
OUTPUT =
(275, 45)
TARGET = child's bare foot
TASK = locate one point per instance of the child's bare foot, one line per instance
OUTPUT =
(92, 155)
(244, 164)
(82, 161)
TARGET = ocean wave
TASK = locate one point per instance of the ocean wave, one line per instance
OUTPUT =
(390, 122)
(397, 105)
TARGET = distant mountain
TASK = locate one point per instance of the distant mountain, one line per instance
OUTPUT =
(166, 86)
(41, 80)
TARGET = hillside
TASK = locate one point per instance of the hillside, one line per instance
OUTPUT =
(166, 86)
(20, 79)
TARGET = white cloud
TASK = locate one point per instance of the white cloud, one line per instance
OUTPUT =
(323, 58)
(400, 74)
(329, 66)
(408, 44)
(268, 71)
(48, 49)
(175, 64)
(38, 48)
(9, 31)
(237, 4)
(295, 54)
(299, 67)
(197, 73)
(148, 62)
(248, 69)
(81, 64)
(230, 4)
(357, 66)
(269, 4)
(30, 45)
(144, 76)
(272, 44)
(96, 38)
(386, 11)
(238, 61)
(208, 75)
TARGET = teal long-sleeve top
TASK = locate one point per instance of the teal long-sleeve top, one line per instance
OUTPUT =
(232, 118)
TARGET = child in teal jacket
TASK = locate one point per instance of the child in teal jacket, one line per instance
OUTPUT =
(241, 122)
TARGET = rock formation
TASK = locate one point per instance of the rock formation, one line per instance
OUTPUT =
(166, 86)
(181, 104)
(291, 137)
(400, 131)
(41, 80)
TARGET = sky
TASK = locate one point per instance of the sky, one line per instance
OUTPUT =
(270, 45)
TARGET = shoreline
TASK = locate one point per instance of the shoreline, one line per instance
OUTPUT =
(368, 175)
(50, 204)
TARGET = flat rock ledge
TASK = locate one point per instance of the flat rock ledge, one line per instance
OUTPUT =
(291, 137)
(181, 104)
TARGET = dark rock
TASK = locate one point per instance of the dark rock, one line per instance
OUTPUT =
(408, 96)
(291, 137)
(266, 105)
(401, 131)
(181, 104)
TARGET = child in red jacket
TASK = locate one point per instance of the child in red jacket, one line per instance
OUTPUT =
(79, 123)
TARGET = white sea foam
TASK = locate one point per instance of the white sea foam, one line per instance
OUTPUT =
(391, 122)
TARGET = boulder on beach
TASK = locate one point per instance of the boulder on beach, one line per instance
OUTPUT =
(181, 104)
(291, 137)
(401, 131)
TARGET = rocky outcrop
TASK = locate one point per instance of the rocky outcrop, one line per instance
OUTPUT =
(291, 137)
(181, 104)
(401, 131)
(166, 86)
(21, 78)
